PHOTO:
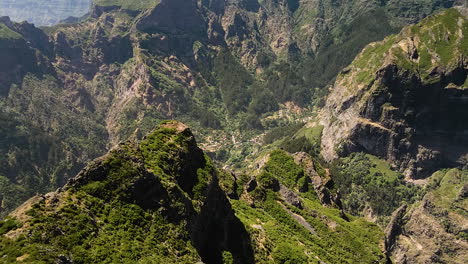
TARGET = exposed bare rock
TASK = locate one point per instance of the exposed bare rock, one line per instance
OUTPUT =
(433, 231)
(402, 100)
(394, 228)
(290, 197)
(321, 184)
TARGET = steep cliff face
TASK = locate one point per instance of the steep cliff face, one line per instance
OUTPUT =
(402, 99)
(131, 64)
(434, 230)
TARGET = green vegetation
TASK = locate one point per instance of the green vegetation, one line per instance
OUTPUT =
(306, 140)
(281, 132)
(11, 194)
(282, 167)
(438, 44)
(134, 206)
(26, 147)
(115, 217)
(286, 253)
(345, 42)
(286, 83)
(233, 81)
(138, 208)
(447, 186)
(434, 32)
(39, 161)
(310, 234)
(136, 5)
(6, 33)
(8, 225)
(89, 230)
(447, 194)
(334, 240)
(366, 181)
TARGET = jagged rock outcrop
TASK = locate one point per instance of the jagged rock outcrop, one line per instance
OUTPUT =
(394, 228)
(321, 183)
(130, 64)
(165, 174)
(290, 197)
(434, 230)
(402, 99)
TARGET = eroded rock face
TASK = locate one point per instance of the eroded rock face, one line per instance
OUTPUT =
(290, 197)
(394, 228)
(433, 231)
(383, 105)
(321, 184)
(128, 65)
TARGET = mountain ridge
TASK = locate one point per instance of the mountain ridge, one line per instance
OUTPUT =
(167, 185)
(426, 71)
(305, 187)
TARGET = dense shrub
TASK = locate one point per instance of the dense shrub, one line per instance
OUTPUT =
(281, 132)
(285, 253)
(364, 180)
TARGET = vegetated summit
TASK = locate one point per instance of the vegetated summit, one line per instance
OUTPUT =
(250, 78)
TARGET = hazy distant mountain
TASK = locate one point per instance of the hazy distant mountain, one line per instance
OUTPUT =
(43, 12)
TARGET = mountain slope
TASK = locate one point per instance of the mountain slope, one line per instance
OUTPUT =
(141, 202)
(130, 65)
(434, 229)
(404, 99)
(161, 200)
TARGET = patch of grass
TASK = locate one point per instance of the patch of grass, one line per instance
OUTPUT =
(314, 134)
(334, 239)
(367, 181)
(6, 33)
(447, 194)
(283, 167)
(306, 140)
(446, 187)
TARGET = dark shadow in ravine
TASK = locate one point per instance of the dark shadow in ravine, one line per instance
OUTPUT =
(217, 229)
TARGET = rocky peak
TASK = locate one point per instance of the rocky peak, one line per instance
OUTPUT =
(166, 177)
